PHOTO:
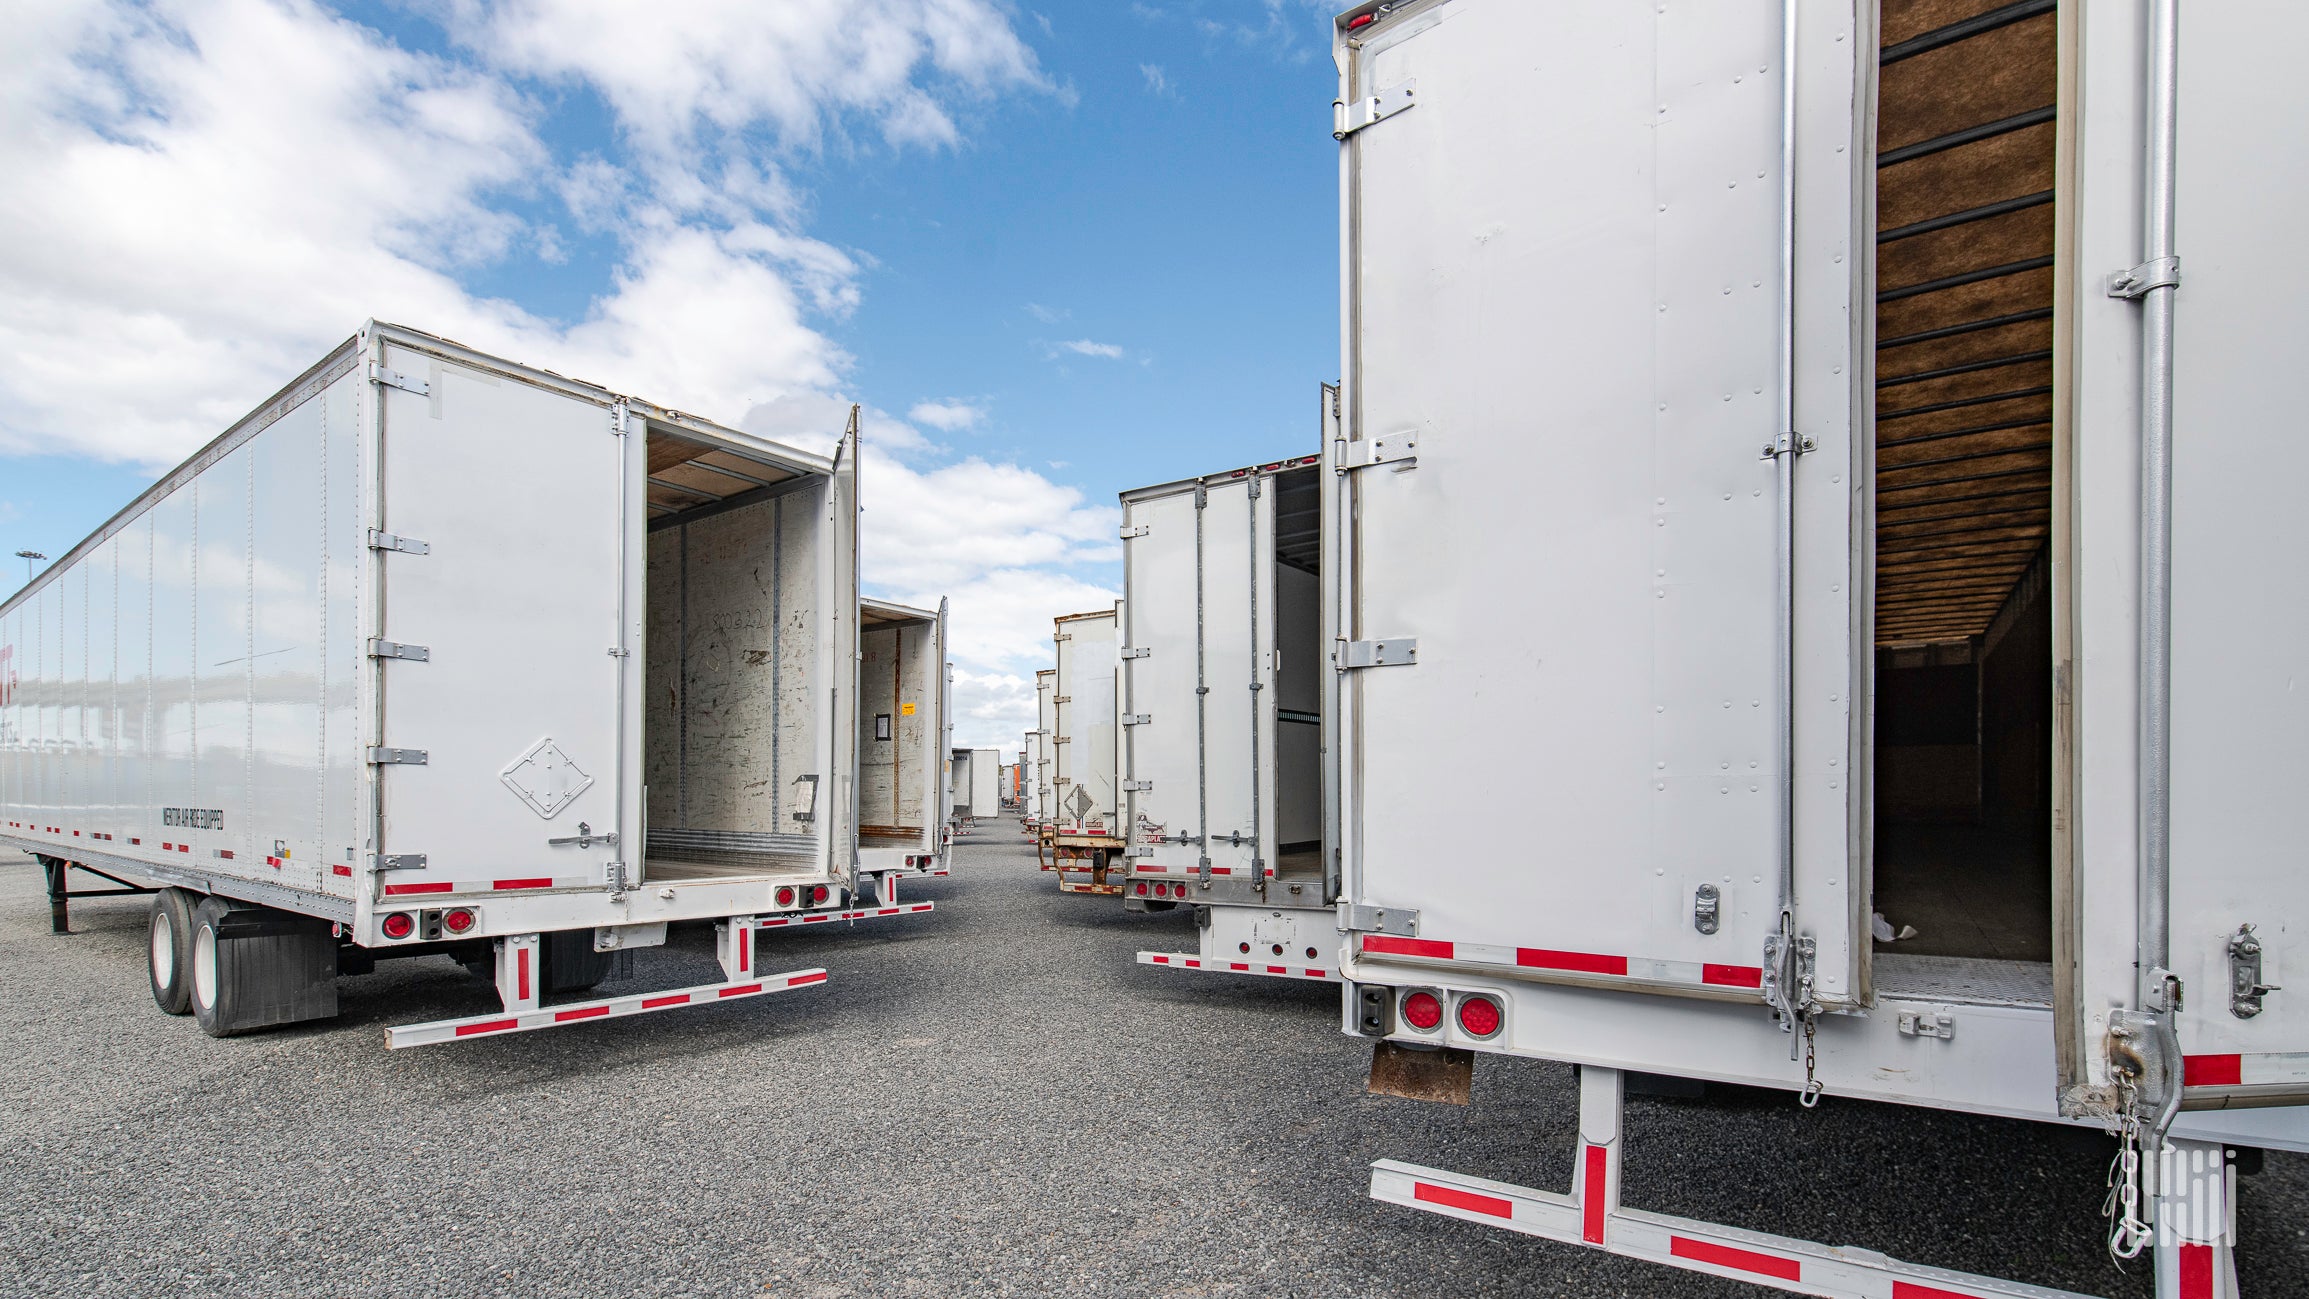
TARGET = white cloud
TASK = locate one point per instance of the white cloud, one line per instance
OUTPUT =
(1047, 315)
(949, 416)
(1156, 82)
(1085, 347)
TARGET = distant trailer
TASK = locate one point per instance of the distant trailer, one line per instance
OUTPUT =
(901, 745)
(1086, 824)
(1222, 699)
(1041, 797)
(387, 668)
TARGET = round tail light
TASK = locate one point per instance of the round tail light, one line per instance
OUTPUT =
(457, 921)
(786, 897)
(1244, 948)
(1142, 888)
(399, 924)
(819, 894)
(1422, 1011)
(1479, 1016)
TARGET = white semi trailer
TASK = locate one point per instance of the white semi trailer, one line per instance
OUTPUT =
(1846, 464)
(1086, 825)
(1042, 758)
(902, 740)
(1222, 717)
(390, 666)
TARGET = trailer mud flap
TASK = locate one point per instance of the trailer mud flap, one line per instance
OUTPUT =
(1442, 1073)
(640, 1003)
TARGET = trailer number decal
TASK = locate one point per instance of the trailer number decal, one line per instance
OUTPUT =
(193, 818)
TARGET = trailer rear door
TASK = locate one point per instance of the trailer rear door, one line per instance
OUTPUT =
(1562, 631)
(506, 679)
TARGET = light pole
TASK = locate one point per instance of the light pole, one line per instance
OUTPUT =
(28, 556)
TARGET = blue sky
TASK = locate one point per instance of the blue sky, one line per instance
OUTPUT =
(1057, 251)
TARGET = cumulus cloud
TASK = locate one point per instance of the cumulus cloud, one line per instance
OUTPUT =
(1085, 347)
(206, 195)
(950, 416)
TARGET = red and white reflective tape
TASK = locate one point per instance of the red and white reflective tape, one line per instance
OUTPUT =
(1540, 960)
(2249, 1069)
(526, 884)
(1143, 869)
(640, 1003)
(863, 913)
(1752, 1256)
(1179, 961)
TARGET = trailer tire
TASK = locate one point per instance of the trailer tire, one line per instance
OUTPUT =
(255, 967)
(205, 968)
(169, 951)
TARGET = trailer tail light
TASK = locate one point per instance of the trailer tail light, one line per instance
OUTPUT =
(819, 894)
(1479, 1016)
(399, 924)
(457, 921)
(786, 896)
(1141, 889)
(1421, 1010)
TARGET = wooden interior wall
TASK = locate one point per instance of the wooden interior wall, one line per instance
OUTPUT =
(1964, 252)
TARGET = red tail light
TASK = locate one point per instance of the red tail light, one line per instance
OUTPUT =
(1479, 1016)
(457, 921)
(785, 897)
(1422, 1011)
(399, 925)
(819, 894)
(1142, 888)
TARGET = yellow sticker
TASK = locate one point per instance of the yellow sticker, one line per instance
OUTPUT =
(906, 709)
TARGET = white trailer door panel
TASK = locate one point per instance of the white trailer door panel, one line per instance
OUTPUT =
(1564, 344)
(512, 704)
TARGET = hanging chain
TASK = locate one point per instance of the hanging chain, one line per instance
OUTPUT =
(1812, 1084)
(2128, 1233)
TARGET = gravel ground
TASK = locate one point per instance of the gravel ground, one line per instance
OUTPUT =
(991, 1098)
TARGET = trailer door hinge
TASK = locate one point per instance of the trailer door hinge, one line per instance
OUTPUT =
(1143, 850)
(381, 756)
(1784, 443)
(1139, 653)
(1403, 922)
(388, 649)
(398, 861)
(2163, 273)
(1385, 102)
(1139, 531)
(1137, 719)
(1398, 449)
(1401, 651)
(395, 379)
(2245, 975)
(1138, 787)
(1062, 699)
(382, 540)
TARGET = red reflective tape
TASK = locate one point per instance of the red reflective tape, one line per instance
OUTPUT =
(167, 847)
(491, 1026)
(1580, 962)
(800, 979)
(225, 853)
(772, 924)
(1150, 870)
(1238, 965)
(438, 886)
(2196, 1272)
(1193, 965)
(2212, 1071)
(340, 870)
(1387, 944)
(739, 991)
(1278, 969)
(509, 885)
(1911, 1290)
(1162, 960)
(1733, 976)
(652, 1003)
(1591, 1196)
(1222, 870)
(745, 949)
(811, 920)
(184, 847)
(1468, 1200)
(1316, 974)
(521, 973)
(890, 911)
(582, 1012)
(1745, 1260)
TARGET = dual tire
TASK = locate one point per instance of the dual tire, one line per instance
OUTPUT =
(170, 950)
(269, 978)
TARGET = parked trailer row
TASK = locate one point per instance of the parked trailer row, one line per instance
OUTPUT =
(336, 691)
(1085, 828)
(1814, 437)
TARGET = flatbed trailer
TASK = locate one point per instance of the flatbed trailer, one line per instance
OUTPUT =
(1815, 585)
(389, 668)
(1224, 669)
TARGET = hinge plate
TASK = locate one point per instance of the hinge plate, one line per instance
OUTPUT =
(382, 540)
(1399, 652)
(1785, 443)
(1138, 787)
(390, 649)
(398, 861)
(1403, 922)
(1398, 449)
(1138, 531)
(2163, 273)
(1139, 653)
(1137, 719)
(395, 379)
(381, 756)
(1379, 105)
(1062, 699)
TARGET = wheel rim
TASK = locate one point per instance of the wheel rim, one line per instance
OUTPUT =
(204, 966)
(163, 951)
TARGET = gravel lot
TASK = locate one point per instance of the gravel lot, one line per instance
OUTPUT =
(992, 1098)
